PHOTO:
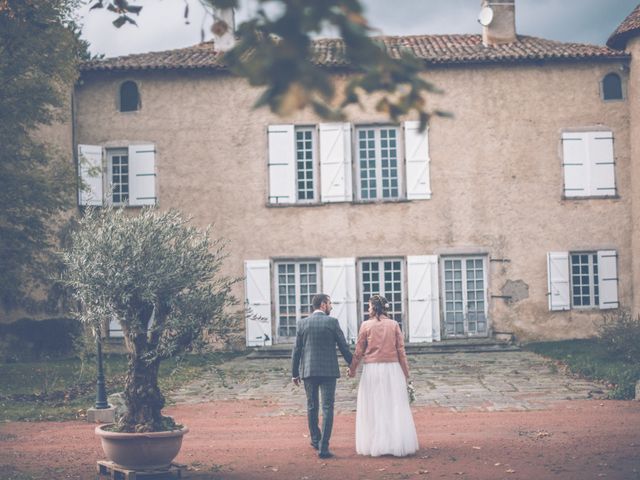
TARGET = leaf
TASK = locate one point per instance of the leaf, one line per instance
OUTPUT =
(98, 4)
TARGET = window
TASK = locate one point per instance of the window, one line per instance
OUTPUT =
(584, 279)
(129, 96)
(465, 292)
(128, 174)
(305, 164)
(309, 164)
(118, 161)
(612, 87)
(588, 164)
(378, 163)
(382, 277)
(296, 283)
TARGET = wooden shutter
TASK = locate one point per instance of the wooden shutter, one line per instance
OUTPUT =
(602, 174)
(558, 280)
(339, 282)
(90, 170)
(608, 278)
(424, 305)
(257, 289)
(575, 164)
(335, 162)
(282, 164)
(142, 175)
(416, 147)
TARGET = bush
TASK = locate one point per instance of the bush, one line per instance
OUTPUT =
(27, 339)
(620, 336)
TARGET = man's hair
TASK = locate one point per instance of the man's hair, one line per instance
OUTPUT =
(318, 300)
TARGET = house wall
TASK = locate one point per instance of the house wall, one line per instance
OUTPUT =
(634, 107)
(496, 177)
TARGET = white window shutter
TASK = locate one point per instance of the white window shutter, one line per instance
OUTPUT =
(339, 282)
(608, 278)
(558, 280)
(282, 164)
(602, 164)
(575, 164)
(424, 304)
(335, 162)
(142, 175)
(257, 289)
(90, 169)
(416, 147)
(115, 329)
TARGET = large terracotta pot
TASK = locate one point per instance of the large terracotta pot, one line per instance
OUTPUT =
(140, 451)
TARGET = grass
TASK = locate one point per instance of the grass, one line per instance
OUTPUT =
(62, 389)
(589, 358)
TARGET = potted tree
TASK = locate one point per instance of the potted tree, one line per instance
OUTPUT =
(160, 278)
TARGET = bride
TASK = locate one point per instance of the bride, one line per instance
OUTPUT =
(384, 424)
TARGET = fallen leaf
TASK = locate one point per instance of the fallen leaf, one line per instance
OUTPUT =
(423, 472)
(511, 470)
(381, 469)
(497, 464)
(477, 448)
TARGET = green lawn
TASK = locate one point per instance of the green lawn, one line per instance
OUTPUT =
(63, 389)
(589, 359)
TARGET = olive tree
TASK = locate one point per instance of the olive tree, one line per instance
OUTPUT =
(160, 278)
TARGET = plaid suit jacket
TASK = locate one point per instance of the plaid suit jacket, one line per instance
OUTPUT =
(314, 354)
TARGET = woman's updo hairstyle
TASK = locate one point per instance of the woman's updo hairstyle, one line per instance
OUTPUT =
(379, 304)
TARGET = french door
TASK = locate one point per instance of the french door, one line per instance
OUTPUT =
(464, 296)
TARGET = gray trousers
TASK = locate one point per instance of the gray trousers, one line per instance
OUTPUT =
(314, 387)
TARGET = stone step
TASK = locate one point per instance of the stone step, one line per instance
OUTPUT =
(446, 346)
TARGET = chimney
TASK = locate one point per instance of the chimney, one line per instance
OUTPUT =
(223, 29)
(498, 20)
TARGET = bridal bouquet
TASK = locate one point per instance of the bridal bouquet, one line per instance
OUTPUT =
(411, 392)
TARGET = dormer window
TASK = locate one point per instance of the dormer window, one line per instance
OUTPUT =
(612, 87)
(129, 97)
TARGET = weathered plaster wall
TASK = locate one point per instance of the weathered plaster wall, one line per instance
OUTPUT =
(634, 108)
(496, 176)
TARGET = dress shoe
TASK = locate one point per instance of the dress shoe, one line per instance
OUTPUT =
(326, 454)
(314, 445)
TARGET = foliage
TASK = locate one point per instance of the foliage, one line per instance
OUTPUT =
(160, 278)
(589, 358)
(274, 52)
(38, 60)
(28, 339)
(620, 335)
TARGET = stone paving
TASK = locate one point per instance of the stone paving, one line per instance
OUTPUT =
(457, 381)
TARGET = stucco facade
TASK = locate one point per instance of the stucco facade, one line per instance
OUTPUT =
(496, 178)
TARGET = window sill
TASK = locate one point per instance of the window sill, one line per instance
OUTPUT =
(352, 202)
(591, 197)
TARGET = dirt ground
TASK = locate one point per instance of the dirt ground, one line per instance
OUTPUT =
(578, 440)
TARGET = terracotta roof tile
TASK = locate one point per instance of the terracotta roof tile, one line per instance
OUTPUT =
(433, 49)
(626, 29)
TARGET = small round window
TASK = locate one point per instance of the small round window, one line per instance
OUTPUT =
(612, 87)
(129, 97)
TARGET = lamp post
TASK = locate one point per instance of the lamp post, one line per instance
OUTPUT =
(101, 392)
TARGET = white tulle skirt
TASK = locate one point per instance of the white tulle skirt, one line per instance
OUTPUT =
(384, 423)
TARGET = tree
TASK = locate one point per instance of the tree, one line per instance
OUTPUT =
(274, 52)
(38, 59)
(160, 278)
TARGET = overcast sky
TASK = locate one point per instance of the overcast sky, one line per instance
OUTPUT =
(161, 25)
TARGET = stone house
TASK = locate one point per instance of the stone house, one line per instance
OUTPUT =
(520, 214)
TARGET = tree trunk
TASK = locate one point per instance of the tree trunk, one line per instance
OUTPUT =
(142, 397)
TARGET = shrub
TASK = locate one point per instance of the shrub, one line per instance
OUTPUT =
(620, 336)
(27, 339)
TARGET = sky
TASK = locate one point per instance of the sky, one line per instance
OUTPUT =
(161, 24)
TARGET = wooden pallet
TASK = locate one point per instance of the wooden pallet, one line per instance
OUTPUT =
(116, 472)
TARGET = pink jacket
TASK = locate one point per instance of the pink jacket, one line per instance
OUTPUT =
(380, 341)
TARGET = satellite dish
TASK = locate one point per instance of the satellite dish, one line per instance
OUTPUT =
(485, 17)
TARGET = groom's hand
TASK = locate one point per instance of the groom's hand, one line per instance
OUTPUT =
(296, 381)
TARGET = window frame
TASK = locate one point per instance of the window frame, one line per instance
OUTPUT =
(297, 283)
(110, 153)
(314, 162)
(594, 280)
(377, 128)
(364, 304)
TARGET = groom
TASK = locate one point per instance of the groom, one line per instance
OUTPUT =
(314, 360)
